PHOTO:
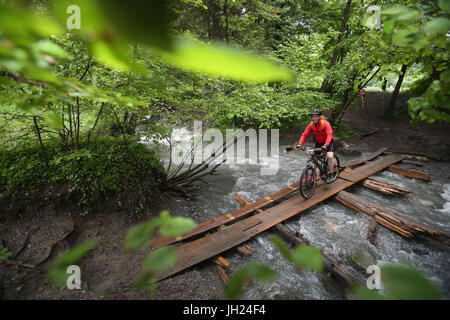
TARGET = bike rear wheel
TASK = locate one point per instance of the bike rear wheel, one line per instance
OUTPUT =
(307, 183)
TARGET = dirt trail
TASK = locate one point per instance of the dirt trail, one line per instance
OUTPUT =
(398, 133)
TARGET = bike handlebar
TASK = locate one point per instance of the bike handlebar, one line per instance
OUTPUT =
(314, 149)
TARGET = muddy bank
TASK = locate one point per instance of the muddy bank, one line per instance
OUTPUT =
(106, 272)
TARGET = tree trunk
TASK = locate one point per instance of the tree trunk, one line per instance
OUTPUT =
(225, 13)
(213, 20)
(390, 109)
(384, 85)
(324, 87)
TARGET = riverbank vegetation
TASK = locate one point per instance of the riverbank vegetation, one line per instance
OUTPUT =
(70, 81)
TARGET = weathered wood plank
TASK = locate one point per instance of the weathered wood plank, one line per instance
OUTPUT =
(331, 265)
(412, 157)
(385, 187)
(221, 220)
(368, 158)
(196, 251)
(410, 173)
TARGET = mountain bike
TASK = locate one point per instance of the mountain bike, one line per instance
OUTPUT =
(316, 166)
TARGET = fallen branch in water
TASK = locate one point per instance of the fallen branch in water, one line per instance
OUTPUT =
(395, 221)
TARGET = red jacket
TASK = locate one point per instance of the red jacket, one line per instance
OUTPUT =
(322, 132)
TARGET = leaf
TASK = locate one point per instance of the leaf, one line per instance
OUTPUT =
(176, 226)
(139, 236)
(402, 14)
(224, 61)
(444, 5)
(251, 271)
(233, 289)
(5, 254)
(143, 21)
(57, 270)
(160, 259)
(403, 37)
(115, 55)
(259, 271)
(405, 282)
(51, 48)
(53, 119)
(388, 26)
(438, 25)
(309, 257)
(281, 246)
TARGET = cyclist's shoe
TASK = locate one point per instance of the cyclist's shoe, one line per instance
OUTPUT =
(330, 175)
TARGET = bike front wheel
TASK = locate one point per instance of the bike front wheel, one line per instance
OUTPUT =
(307, 183)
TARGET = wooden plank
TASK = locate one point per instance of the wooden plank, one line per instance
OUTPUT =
(196, 251)
(385, 187)
(412, 157)
(248, 209)
(330, 263)
(410, 173)
(368, 158)
(221, 220)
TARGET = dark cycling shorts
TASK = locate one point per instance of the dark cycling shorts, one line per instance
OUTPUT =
(330, 147)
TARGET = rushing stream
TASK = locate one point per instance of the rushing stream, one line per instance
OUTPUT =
(332, 226)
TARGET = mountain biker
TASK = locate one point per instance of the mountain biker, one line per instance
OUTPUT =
(323, 135)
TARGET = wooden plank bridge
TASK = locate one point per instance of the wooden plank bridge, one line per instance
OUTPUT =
(237, 227)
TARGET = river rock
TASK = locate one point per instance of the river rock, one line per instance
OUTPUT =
(348, 151)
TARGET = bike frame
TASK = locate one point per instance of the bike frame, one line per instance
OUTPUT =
(319, 161)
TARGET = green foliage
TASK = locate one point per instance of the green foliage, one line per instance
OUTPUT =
(139, 236)
(401, 282)
(56, 273)
(303, 256)
(420, 36)
(172, 227)
(344, 131)
(308, 257)
(435, 102)
(107, 169)
(5, 254)
(252, 271)
(162, 258)
(224, 61)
